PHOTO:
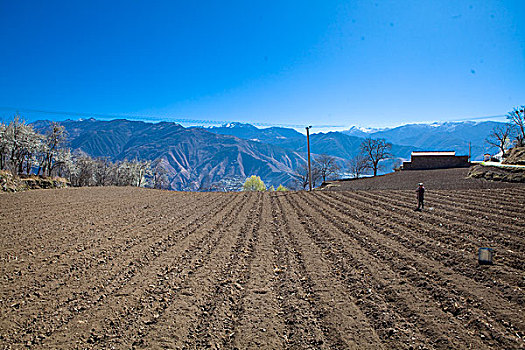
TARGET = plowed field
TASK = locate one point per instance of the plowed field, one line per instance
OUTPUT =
(443, 179)
(123, 267)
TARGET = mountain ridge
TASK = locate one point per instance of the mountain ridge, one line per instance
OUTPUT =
(197, 157)
(193, 157)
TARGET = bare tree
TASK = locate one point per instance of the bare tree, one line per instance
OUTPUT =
(499, 136)
(28, 143)
(301, 176)
(103, 170)
(326, 166)
(20, 146)
(358, 165)
(143, 169)
(517, 118)
(82, 171)
(63, 162)
(160, 174)
(14, 144)
(33, 144)
(124, 174)
(132, 173)
(375, 150)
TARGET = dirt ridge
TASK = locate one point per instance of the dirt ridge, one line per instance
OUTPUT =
(136, 268)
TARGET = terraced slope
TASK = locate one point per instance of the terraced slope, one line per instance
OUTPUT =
(127, 267)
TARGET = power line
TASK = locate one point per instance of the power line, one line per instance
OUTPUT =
(152, 118)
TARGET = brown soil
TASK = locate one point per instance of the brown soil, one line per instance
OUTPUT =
(128, 268)
(442, 179)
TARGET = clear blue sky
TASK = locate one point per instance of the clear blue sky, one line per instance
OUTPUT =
(367, 63)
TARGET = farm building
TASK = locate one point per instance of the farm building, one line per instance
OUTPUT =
(435, 160)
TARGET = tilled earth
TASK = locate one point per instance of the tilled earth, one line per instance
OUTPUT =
(443, 179)
(133, 268)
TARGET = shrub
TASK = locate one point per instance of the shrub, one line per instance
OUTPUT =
(281, 188)
(254, 183)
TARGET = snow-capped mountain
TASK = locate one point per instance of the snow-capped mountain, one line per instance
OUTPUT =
(438, 136)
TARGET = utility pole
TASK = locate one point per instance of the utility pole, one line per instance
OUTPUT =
(309, 164)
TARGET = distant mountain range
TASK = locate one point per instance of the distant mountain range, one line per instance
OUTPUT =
(336, 144)
(196, 158)
(193, 157)
(451, 136)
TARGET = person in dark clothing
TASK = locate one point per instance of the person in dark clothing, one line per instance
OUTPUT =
(420, 192)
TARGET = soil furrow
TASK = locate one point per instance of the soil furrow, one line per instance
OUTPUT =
(324, 292)
(71, 275)
(499, 196)
(177, 327)
(216, 325)
(510, 245)
(469, 301)
(160, 280)
(81, 257)
(480, 212)
(260, 322)
(510, 209)
(440, 245)
(303, 328)
(60, 199)
(80, 303)
(122, 267)
(44, 214)
(393, 307)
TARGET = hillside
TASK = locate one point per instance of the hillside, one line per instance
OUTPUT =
(336, 144)
(272, 135)
(99, 138)
(194, 157)
(406, 138)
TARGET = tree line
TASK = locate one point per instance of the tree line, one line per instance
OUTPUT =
(25, 152)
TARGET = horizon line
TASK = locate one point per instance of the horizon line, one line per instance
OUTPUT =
(223, 122)
(160, 119)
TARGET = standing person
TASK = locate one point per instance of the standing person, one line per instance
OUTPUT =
(420, 193)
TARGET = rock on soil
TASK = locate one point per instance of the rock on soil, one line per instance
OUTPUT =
(10, 183)
(516, 156)
(493, 173)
